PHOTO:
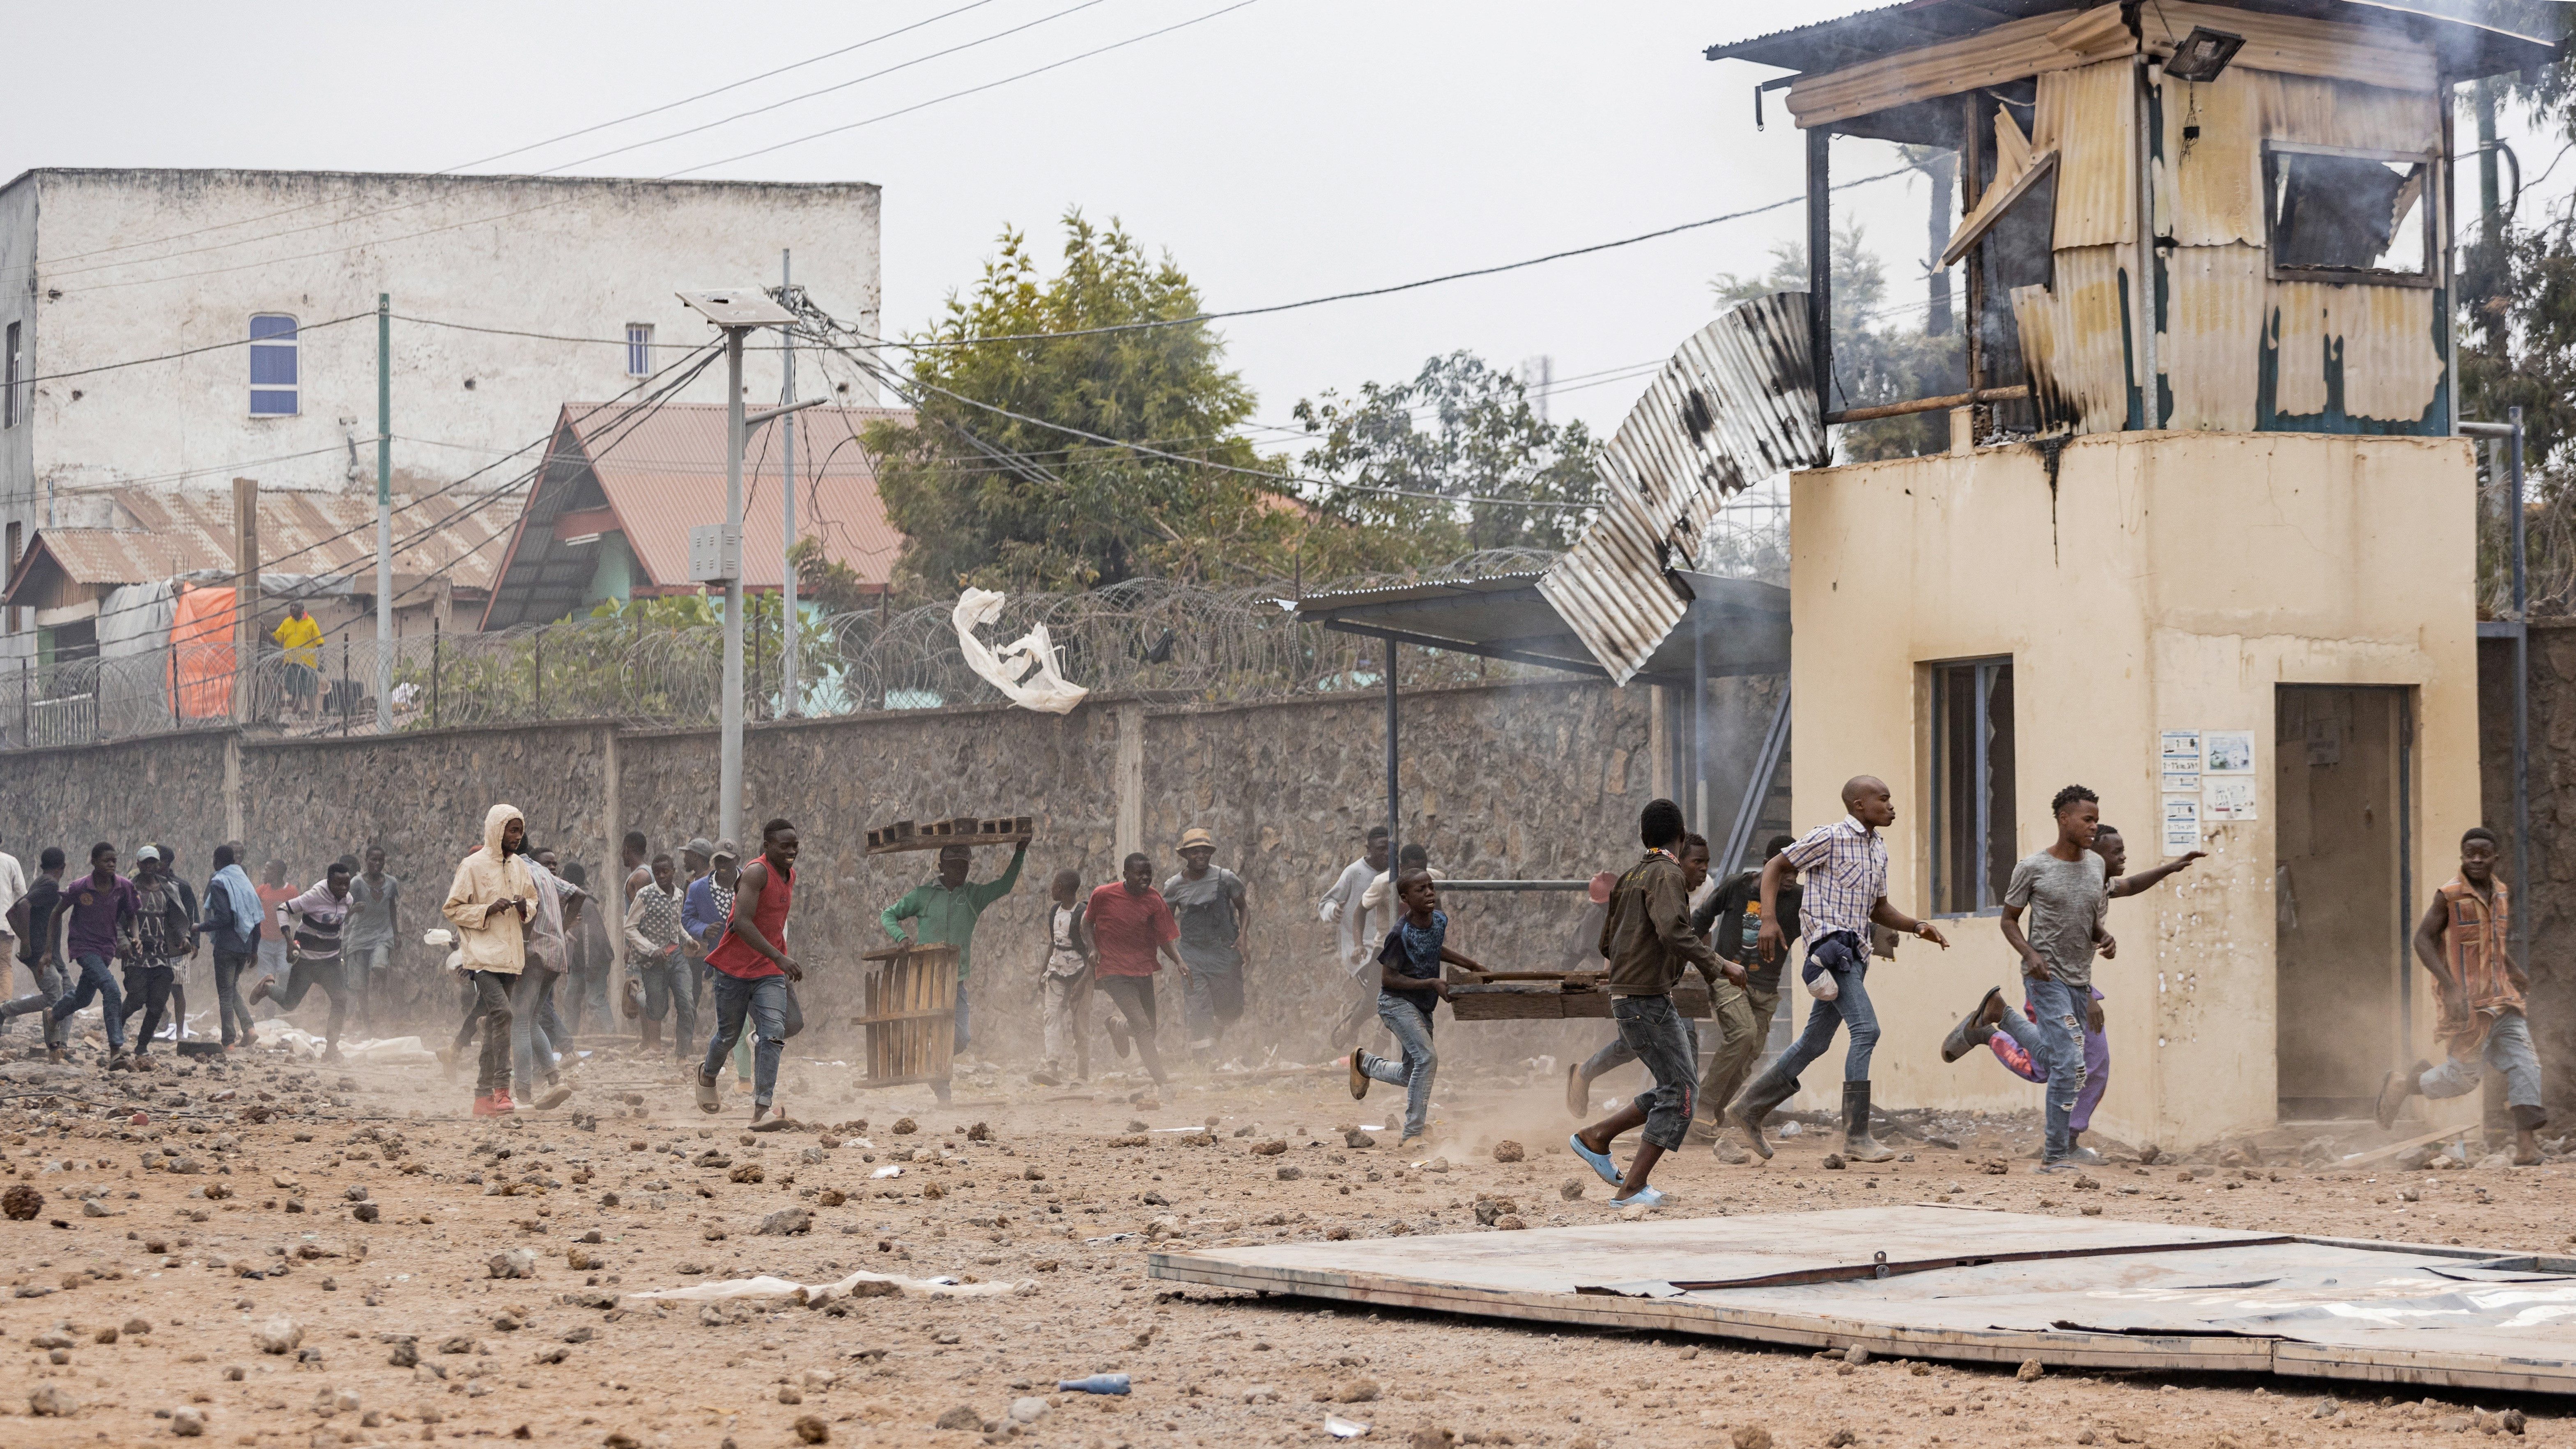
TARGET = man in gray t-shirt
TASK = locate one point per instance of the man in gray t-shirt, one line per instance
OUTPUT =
(2063, 889)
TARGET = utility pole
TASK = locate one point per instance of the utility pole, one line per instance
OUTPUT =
(384, 513)
(715, 553)
(245, 597)
(787, 500)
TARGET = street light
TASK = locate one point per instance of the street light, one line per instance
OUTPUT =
(715, 552)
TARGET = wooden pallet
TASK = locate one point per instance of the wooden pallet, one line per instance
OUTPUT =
(968, 830)
(1553, 996)
(910, 995)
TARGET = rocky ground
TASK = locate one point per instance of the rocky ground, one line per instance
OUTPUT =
(267, 1251)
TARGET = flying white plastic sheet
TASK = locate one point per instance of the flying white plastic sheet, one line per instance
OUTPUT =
(1026, 669)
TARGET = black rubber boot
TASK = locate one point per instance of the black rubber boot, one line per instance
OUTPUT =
(1858, 1145)
(1767, 1091)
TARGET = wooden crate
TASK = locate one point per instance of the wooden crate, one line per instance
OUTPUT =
(910, 999)
(1549, 997)
(967, 830)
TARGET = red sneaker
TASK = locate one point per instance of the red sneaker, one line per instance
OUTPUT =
(502, 1106)
(482, 1104)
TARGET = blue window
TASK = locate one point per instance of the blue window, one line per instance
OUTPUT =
(639, 349)
(272, 366)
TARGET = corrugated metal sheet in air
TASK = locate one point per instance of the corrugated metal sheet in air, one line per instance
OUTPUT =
(1736, 404)
(2385, 338)
(2212, 348)
(2088, 116)
(2071, 337)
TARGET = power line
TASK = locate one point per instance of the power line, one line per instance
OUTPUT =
(300, 329)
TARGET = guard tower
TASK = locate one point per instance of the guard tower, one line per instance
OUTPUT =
(2203, 538)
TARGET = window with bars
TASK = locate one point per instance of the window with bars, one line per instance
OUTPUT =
(273, 385)
(639, 349)
(1973, 841)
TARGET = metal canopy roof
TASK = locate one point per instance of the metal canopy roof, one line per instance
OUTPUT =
(1743, 624)
(2467, 49)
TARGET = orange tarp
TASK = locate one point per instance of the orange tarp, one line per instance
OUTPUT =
(201, 651)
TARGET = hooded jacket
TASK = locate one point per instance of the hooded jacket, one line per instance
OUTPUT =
(484, 880)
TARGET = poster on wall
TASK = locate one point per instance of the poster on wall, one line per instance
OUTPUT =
(2182, 824)
(2178, 757)
(2231, 752)
(2228, 797)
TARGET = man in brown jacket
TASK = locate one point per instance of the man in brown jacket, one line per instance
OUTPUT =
(1647, 938)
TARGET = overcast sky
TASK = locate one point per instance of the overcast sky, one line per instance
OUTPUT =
(1280, 150)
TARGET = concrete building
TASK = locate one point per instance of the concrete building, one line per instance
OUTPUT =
(2219, 568)
(258, 288)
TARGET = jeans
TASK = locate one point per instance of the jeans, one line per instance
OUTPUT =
(1211, 1001)
(95, 980)
(2053, 1034)
(491, 1012)
(234, 1016)
(587, 1001)
(1651, 1027)
(50, 985)
(2018, 1060)
(147, 990)
(1410, 1020)
(1616, 1053)
(306, 975)
(364, 971)
(764, 1000)
(532, 1048)
(670, 988)
(1743, 1026)
(1842, 954)
(2508, 1049)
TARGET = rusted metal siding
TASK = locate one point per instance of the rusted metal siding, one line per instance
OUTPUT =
(2072, 334)
(2212, 350)
(2380, 339)
(2087, 116)
(1736, 404)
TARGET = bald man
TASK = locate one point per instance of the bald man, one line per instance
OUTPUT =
(1845, 869)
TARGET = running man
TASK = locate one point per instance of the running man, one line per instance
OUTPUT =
(314, 923)
(2466, 941)
(947, 909)
(93, 926)
(490, 903)
(1208, 902)
(1844, 868)
(753, 973)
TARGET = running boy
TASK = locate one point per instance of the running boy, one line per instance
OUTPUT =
(2466, 941)
(1409, 989)
(1845, 893)
(1064, 982)
(1647, 939)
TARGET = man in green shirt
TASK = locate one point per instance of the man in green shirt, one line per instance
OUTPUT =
(946, 909)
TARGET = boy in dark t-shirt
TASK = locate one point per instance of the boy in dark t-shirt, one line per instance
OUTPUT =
(1409, 989)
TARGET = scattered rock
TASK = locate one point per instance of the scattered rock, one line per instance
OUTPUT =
(278, 1335)
(905, 1127)
(1833, 1162)
(1271, 1148)
(1291, 1174)
(2495, 1162)
(748, 1172)
(961, 1417)
(1357, 1391)
(21, 1202)
(1354, 1137)
(187, 1423)
(1509, 1151)
(516, 1263)
(1571, 1189)
(1856, 1354)
(2148, 1154)
(1750, 1436)
(1840, 1439)
(52, 1401)
(1029, 1410)
(811, 1429)
(785, 1221)
(2030, 1369)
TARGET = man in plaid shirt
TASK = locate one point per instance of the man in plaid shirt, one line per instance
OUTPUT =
(1844, 868)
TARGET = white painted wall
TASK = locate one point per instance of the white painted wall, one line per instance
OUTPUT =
(571, 257)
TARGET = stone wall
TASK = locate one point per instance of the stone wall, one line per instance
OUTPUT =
(1526, 780)
(2550, 911)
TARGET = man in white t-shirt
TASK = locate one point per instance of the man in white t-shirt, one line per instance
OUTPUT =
(1358, 931)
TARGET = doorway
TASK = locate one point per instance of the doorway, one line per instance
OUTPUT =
(2342, 888)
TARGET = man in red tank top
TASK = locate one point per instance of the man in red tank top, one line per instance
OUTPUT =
(750, 970)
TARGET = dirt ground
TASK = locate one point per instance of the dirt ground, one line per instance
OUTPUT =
(328, 1275)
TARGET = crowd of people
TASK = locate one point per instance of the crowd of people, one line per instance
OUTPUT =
(517, 922)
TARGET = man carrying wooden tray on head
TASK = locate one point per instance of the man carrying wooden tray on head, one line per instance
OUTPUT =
(945, 910)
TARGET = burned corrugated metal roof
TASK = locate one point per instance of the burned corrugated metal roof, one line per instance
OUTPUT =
(651, 478)
(2465, 49)
(1736, 404)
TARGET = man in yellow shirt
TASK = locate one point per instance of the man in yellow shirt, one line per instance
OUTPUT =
(298, 635)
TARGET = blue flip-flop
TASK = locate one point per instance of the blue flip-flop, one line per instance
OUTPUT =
(1643, 1197)
(1600, 1161)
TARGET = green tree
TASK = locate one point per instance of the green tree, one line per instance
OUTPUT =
(991, 501)
(1877, 357)
(1458, 430)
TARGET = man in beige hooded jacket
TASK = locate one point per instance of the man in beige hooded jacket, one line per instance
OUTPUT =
(490, 903)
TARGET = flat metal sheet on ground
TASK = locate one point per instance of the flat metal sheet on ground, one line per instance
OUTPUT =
(1936, 1282)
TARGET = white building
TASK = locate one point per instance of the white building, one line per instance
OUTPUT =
(250, 274)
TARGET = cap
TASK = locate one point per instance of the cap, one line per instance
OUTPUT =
(698, 846)
(1197, 835)
(725, 849)
(149, 852)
